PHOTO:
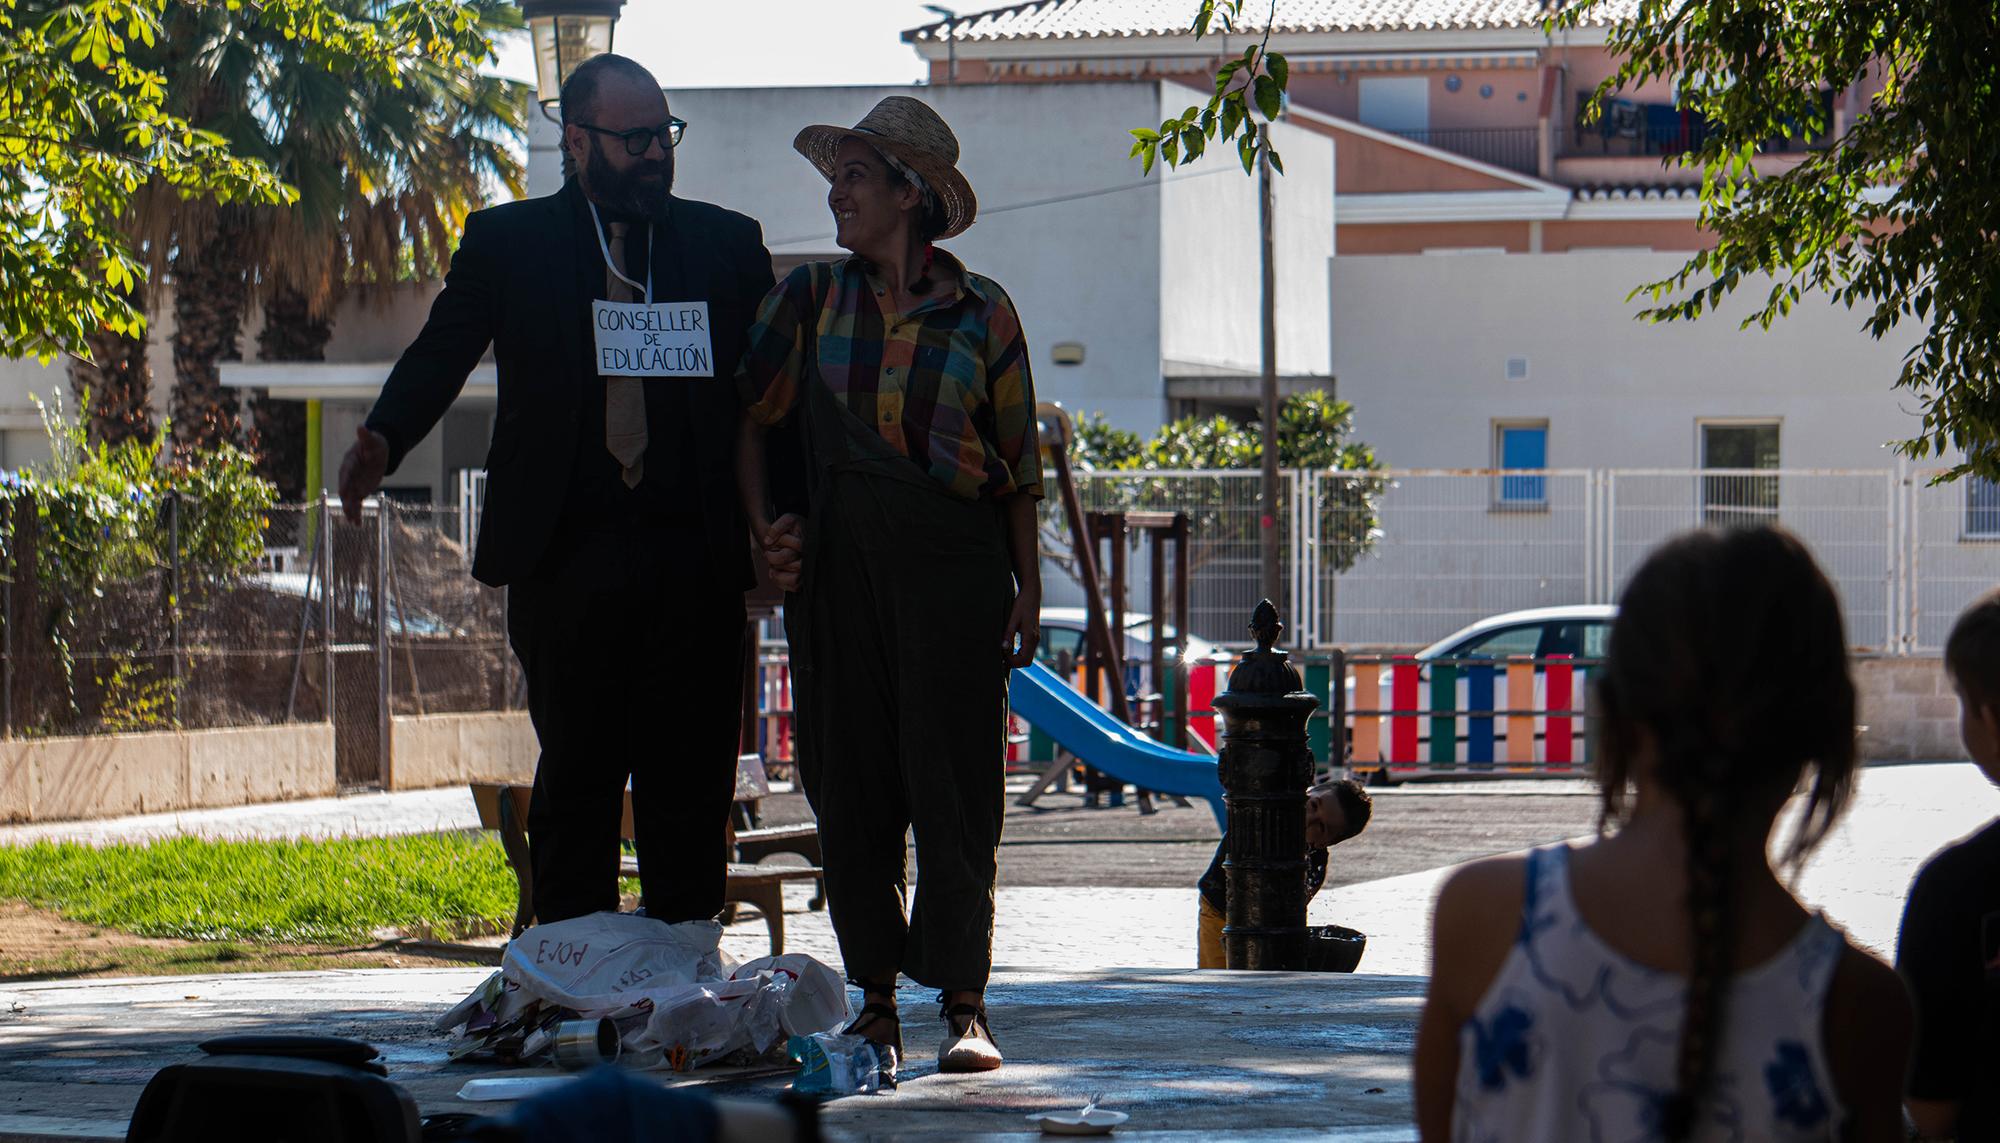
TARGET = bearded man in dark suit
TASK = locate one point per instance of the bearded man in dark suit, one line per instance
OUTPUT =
(616, 313)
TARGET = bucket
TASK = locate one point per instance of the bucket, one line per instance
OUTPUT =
(1333, 948)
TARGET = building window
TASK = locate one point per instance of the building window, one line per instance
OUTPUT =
(1522, 445)
(1397, 104)
(1982, 509)
(1737, 494)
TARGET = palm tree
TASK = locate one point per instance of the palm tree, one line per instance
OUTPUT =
(385, 173)
(114, 388)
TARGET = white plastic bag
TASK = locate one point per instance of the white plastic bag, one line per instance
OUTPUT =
(815, 998)
(605, 962)
(762, 1003)
(704, 1022)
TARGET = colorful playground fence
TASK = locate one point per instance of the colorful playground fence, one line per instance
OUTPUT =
(1400, 715)
(1413, 717)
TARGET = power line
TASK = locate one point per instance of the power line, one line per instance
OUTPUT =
(1052, 200)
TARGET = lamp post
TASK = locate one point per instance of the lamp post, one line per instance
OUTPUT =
(566, 33)
(950, 40)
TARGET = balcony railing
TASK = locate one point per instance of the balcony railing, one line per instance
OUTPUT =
(1509, 147)
(1629, 128)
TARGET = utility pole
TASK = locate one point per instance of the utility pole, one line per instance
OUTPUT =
(1268, 538)
(950, 40)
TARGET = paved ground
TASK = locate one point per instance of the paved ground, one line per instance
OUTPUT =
(1056, 843)
(1180, 1051)
(1183, 1051)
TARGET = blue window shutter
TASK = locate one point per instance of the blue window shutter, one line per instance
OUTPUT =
(1524, 447)
(1982, 507)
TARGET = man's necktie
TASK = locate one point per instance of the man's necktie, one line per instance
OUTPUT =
(624, 397)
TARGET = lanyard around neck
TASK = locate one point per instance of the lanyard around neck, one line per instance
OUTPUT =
(597, 228)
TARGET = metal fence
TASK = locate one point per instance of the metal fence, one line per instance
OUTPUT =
(1450, 547)
(352, 622)
(363, 622)
(1948, 549)
(1455, 547)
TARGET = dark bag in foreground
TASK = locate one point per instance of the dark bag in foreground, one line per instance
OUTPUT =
(224, 1099)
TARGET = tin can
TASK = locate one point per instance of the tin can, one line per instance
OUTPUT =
(586, 1043)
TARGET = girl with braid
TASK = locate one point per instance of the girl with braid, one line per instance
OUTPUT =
(1660, 982)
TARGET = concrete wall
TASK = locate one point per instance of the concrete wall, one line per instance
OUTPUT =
(453, 749)
(1210, 276)
(1420, 344)
(52, 779)
(56, 779)
(1909, 710)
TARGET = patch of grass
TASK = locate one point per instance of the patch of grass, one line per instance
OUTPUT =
(177, 959)
(306, 892)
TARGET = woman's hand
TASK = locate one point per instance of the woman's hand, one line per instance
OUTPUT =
(1024, 629)
(784, 544)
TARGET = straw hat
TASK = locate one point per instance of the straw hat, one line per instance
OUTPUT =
(908, 131)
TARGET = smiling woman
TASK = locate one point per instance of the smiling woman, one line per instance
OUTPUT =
(913, 571)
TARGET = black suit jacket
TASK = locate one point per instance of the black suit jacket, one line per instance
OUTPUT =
(513, 284)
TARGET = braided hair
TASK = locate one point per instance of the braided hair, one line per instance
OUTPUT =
(1729, 658)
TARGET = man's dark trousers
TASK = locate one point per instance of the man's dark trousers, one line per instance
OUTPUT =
(633, 667)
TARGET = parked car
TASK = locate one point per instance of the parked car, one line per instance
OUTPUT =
(1581, 631)
(405, 620)
(1063, 632)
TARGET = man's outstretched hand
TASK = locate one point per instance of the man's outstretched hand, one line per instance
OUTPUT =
(362, 470)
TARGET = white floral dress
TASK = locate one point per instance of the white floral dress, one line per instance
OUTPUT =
(1573, 1041)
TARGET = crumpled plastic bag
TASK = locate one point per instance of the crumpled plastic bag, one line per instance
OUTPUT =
(764, 1002)
(604, 962)
(675, 997)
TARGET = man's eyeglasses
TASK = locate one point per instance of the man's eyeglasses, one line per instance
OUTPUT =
(639, 138)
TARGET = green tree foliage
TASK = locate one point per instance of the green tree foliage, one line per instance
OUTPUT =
(86, 124)
(385, 168)
(1315, 432)
(1894, 217)
(1248, 88)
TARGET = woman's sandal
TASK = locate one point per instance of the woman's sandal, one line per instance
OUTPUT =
(873, 1014)
(968, 1044)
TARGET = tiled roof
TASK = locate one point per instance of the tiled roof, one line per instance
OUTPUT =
(1085, 19)
(1637, 192)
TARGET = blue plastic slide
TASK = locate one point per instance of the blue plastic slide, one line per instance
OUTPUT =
(1042, 698)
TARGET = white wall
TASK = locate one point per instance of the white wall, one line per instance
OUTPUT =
(22, 439)
(1420, 344)
(1211, 284)
(1086, 270)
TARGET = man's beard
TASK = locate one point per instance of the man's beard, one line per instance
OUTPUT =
(641, 192)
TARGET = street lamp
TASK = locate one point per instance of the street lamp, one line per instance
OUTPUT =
(950, 40)
(566, 33)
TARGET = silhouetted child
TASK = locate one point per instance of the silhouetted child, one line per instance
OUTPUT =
(1660, 983)
(1335, 811)
(1949, 949)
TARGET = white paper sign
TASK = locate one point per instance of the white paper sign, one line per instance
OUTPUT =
(660, 339)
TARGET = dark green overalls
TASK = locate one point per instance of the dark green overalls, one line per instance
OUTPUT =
(900, 689)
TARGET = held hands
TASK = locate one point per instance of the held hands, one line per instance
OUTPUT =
(1024, 630)
(362, 470)
(784, 546)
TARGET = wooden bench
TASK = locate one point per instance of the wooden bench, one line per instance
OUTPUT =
(505, 808)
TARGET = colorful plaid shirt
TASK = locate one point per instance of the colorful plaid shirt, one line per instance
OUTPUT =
(946, 384)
